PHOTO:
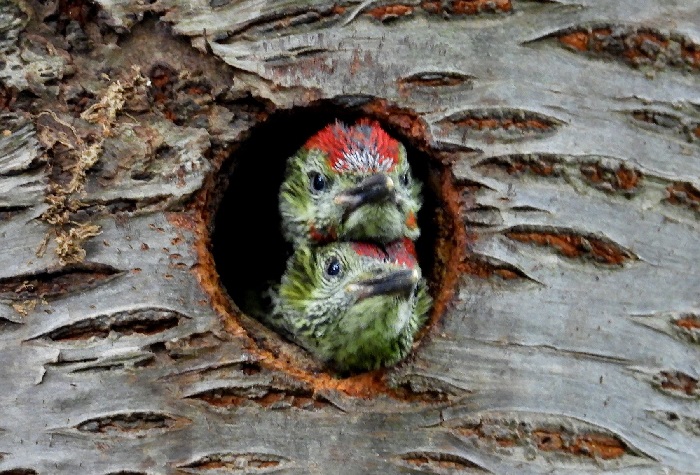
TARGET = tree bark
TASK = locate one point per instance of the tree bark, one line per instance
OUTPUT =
(561, 145)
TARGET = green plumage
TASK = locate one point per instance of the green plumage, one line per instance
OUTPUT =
(333, 317)
(314, 216)
(352, 304)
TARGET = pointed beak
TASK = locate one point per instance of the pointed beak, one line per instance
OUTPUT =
(399, 282)
(375, 188)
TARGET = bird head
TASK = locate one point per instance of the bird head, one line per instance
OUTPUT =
(350, 183)
(357, 305)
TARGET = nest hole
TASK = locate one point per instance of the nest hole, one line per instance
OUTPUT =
(247, 243)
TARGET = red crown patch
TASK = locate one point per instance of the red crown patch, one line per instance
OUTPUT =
(367, 249)
(363, 147)
(403, 252)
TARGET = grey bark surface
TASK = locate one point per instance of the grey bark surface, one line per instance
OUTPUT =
(569, 130)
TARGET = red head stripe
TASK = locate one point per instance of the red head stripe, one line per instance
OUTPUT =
(403, 252)
(368, 250)
(363, 147)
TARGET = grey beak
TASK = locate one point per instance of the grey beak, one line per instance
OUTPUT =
(375, 188)
(399, 282)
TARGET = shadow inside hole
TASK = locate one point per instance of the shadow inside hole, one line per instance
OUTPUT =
(249, 249)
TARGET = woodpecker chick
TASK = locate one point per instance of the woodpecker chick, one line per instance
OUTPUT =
(354, 305)
(349, 183)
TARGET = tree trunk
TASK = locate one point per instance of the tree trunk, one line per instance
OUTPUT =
(560, 146)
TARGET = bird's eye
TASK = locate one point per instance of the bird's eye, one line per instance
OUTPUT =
(333, 266)
(318, 181)
(406, 179)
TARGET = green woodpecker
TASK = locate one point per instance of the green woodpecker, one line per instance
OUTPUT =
(356, 306)
(349, 183)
